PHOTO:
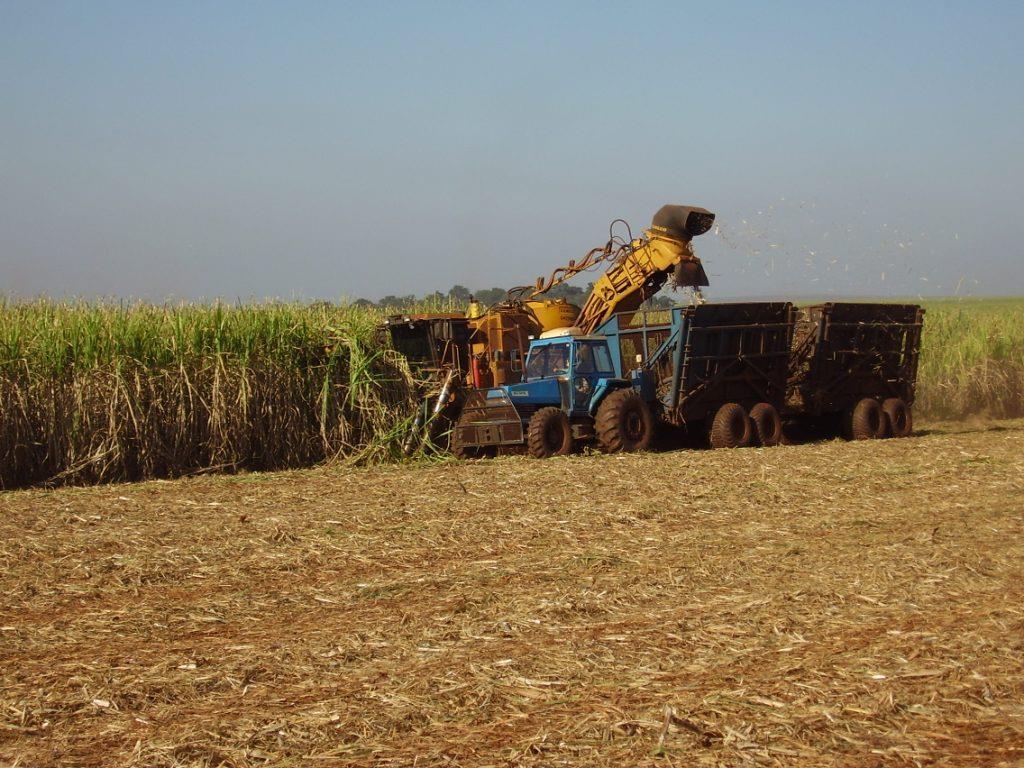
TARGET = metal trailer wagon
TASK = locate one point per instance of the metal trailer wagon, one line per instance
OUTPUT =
(854, 368)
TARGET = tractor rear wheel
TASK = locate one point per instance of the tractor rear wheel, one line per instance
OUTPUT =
(865, 421)
(730, 428)
(767, 424)
(624, 422)
(899, 418)
(549, 434)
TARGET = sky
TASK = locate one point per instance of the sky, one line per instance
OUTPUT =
(329, 150)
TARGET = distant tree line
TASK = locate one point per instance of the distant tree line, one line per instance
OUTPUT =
(460, 296)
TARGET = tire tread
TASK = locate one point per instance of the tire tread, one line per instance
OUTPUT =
(610, 418)
(723, 434)
(536, 434)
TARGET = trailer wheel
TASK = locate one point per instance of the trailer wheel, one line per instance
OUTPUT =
(767, 424)
(865, 421)
(730, 428)
(549, 434)
(900, 421)
(624, 422)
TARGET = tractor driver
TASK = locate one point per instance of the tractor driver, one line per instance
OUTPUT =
(559, 362)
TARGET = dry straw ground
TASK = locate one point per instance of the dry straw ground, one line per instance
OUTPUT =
(833, 604)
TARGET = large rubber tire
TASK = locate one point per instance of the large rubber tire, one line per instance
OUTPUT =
(730, 428)
(549, 434)
(624, 422)
(767, 425)
(865, 421)
(899, 419)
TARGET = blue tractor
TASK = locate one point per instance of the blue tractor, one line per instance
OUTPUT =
(716, 369)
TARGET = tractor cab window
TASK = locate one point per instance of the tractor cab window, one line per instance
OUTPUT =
(593, 357)
(548, 361)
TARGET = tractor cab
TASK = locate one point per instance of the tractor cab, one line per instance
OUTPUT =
(566, 372)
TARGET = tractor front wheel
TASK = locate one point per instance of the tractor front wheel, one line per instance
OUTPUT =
(624, 422)
(549, 434)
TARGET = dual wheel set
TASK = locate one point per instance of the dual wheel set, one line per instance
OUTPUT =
(871, 419)
(733, 427)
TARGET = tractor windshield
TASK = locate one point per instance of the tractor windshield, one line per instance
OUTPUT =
(548, 361)
(593, 357)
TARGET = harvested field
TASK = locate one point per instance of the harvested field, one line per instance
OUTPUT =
(832, 604)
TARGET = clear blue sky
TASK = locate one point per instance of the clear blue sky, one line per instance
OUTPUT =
(322, 150)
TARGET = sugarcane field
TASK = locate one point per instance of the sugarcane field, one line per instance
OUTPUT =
(686, 428)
